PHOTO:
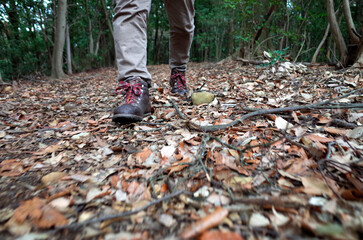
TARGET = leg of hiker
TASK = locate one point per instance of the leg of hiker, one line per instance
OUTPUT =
(181, 20)
(130, 36)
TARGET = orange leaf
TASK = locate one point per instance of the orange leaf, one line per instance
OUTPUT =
(219, 235)
(12, 168)
(143, 155)
(335, 131)
(209, 221)
(39, 213)
(318, 138)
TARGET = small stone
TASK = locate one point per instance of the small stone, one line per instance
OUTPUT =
(199, 98)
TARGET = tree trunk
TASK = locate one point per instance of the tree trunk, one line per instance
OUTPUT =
(109, 24)
(349, 21)
(231, 35)
(90, 30)
(69, 56)
(59, 38)
(313, 60)
(337, 34)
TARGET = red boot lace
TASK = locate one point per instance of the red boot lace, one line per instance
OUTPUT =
(178, 78)
(131, 90)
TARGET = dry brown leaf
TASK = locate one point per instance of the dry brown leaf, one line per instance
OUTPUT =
(321, 139)
(39, 213)
(12, 168)
(53, 177)
(209, 221)
(219, 235)
(49, 149)
(335, 131)
(314, 185)
(143, 155)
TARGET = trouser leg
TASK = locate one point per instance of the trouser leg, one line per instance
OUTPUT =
(130, 35)
(181, 21)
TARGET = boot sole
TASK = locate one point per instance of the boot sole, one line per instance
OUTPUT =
(128, 118)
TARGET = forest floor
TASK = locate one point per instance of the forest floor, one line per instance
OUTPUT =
(68, 172)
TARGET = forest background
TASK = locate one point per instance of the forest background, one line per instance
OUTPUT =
(297, 30)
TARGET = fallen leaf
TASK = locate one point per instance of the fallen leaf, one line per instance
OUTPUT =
(355, 133)
(53, 177)
(12, 168)
(258, 220)
(335, 131)
(278, 219)
(167, 220)
(39, 213)
(315, 186)
(220, 235)
(209, 221)
(319, 138)
(282, 124)
(143, 155)
(49, 149)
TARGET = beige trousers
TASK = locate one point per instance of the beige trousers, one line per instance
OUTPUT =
(130, 31)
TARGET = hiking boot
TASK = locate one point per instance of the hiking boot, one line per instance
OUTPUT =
(136, 104)
(178, 83)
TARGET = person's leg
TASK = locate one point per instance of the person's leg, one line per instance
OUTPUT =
(130, 31)
(181, 20)
(130, 34)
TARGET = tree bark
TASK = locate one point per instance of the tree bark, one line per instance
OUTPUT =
(90, 30)
(59, 39)
(337, 34)
(69, 56)
(349, 21)
(109, 24)
(313, 60)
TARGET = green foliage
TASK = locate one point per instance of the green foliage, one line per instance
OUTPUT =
(277, 56)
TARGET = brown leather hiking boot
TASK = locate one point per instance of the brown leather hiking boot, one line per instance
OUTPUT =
(178, 83)
(136, 104)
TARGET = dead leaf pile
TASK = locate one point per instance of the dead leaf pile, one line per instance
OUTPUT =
(66, 167)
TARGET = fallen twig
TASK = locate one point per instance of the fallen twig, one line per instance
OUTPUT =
(201, 155)
(177, 109)
(118, 215)
(320, 105)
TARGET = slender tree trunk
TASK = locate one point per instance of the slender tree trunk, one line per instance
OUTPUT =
(98, 43)
(109, 24)
(231, 35)
(69, 56)
(313, 60)
(359, 62)
(59, 38)
(337, 34)
(349, 21)
(90, 30)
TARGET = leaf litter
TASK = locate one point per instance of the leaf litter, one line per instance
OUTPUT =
(67, 171)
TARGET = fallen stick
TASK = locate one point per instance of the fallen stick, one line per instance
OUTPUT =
(118, 215)
(320, 105)
(181, 115)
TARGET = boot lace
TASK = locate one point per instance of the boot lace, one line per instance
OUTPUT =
(131, 90)
(178, 80)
